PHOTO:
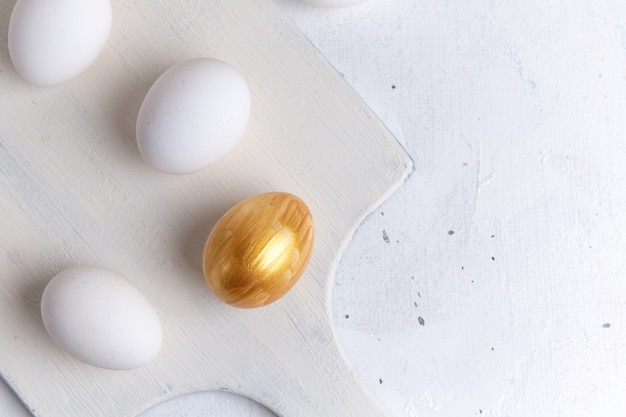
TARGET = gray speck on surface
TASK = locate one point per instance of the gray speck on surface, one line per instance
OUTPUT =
(385, 236)
(421, 321)
(606, 325)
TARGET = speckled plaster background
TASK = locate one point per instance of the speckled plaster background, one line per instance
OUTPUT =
(494, 282)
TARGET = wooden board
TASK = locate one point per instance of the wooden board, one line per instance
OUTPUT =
(74, 190)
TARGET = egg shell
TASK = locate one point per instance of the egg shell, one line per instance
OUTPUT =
(334, 3)
(192, 116)
(259, 249)
(53, 41)
(98, 317)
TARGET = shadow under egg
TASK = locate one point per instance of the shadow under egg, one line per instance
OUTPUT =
(194, 234)
(6, 8)
(29, 294)
(124, 104)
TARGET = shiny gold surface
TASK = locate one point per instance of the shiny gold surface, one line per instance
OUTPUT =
(259, 249)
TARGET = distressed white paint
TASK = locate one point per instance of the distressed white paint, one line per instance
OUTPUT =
(73, 190)
(550, 158)
(514, 112)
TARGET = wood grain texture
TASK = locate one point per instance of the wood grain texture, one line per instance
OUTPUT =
(75, 191)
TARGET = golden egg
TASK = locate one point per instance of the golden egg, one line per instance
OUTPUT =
(259, 249)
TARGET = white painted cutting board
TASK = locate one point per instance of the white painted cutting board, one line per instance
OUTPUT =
(73, 190)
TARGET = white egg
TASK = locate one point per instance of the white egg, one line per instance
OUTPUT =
(334, 3)
(192, 116)
(53, 41)
(98, 317)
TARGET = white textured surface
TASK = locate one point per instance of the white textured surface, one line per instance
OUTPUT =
(75, 192)
(514, 114)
